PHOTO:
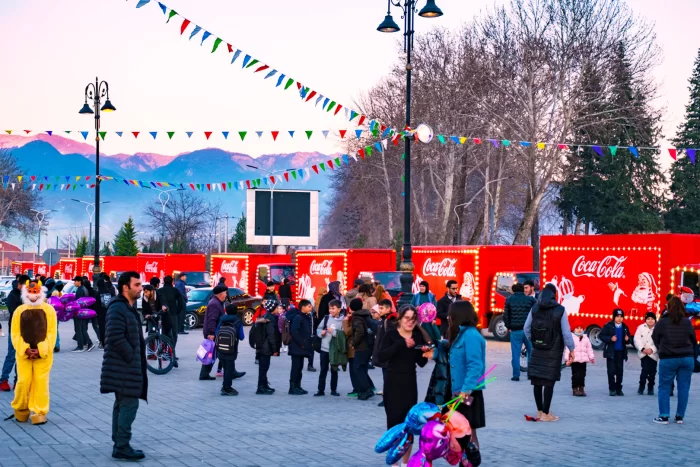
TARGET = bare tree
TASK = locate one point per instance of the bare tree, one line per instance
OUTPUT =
(16, 203)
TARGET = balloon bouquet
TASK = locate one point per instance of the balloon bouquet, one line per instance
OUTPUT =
(68, 307)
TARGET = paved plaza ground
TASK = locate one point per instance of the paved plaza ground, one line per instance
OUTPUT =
(187, 422)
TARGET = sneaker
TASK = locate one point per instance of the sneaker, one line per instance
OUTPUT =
(295, 391)
(365, 396)
(219, 373)
(238, 374)
(303, 391)
(90, 347)
(640, 391)
(381, 404)
(78, 349)
(56, 349)
(661, 420)
(515, 378)
(335, 393)
(319, 393)
(548, 417)
(613, 393)
(207, 378)
(379, 393)
(264, 391)
(650, 392)
(619, 392)
(229, 392)
(310, 368)
(5, 386)
(100, 346)
(679, 419)
(352, 394)
(2, 333)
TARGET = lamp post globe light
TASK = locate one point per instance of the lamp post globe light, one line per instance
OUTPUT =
(95, 92)
(408, 8)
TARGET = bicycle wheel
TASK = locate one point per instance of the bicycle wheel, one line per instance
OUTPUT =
(160, 354)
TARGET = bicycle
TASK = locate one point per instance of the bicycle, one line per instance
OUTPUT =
(160, 353)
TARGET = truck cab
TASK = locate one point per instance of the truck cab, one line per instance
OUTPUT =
(197, 279)
(275, 272)
(502, 288)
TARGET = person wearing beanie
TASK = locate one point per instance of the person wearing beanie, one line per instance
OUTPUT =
(215, 310)
(226, 353)
(300, 345)
(266, 339)
(327, 329)
(648, 354)
(616, 335)
(362, 342)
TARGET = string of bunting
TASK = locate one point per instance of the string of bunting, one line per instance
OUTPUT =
(46, 183)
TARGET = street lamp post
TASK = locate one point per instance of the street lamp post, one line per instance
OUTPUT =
(218, 232)
(90, 209)
(40, 223)
(430, 10)
(95, 92)
(164, 197)
(272, 194)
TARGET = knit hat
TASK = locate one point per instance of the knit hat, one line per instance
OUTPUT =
(650, 314)
(220, 288)
(355, 304)
(358, 282)
(270, 305)
(618, 312)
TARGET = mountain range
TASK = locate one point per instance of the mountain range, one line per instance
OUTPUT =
(44, 155)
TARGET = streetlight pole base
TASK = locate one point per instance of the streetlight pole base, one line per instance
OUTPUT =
(406, 279)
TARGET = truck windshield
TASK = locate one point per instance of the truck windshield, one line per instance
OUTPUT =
(198, 278)
(504, 284)
(690, 280)
(279, 273)
(391, 280)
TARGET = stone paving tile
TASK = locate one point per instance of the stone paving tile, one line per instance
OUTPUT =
(186, 421)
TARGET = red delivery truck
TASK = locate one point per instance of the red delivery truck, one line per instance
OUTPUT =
(475, 268)
(43, 269)
(246, 271)
(115, 265)
(596, 273)
(23, 267)
(68, 268)
(159, 265)
(315, 269)
(88, 263)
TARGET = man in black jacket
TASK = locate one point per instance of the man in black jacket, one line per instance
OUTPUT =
(124, 364)
(215, 310)
(443, 305)
(515, 313)
(81, 325)
(363, 352)
(616, 336)
(170, 299)
(300, 345)
(14, 299)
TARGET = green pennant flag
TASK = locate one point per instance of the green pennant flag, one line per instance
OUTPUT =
(375, 132)
(441, 138)
(229, 185)
(48, 186)
(74, 186)
(613, 150)
(323, 166)
(337, 161)
(330, 106)
(216, 44)
(170, 15)
(403, 156)
(68, 132)
(170, 134)
(102, 134)
(368, 150)
(308, 134)
(403, 178)
(505, 142)
(242, 134)
(197, 186)
(294, 174)
(290, 81)
(252, 62)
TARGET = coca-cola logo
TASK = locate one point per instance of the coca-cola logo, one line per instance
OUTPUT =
(229, 267)
(444, 268)
(610, 267)
(69, 269)
(321, 269)
(41, 270)
(151, 267)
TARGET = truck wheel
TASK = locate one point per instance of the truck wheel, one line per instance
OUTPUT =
(594, 336)
(191, 320)
(248, 317)
(500, 332)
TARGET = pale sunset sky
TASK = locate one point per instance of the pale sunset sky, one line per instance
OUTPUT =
(160, 81)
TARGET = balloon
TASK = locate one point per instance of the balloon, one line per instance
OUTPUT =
(433, 444)
(86, 313)
(427, 313)
(419, 416)
(86, 301)
(54, 302)
(67, 298)
(72, 307)
(398, 451)
(390, 438)
(453, 457)
(459, 428)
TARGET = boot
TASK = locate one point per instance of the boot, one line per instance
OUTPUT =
(267, 386)
(651, 390)
(574, 391)
(127, 453)
(263, 391)
(38, 419)
(473, 455)
(581, 392)
(22, 415)
(640, 391)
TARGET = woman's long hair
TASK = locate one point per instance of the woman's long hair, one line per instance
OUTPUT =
(461, 313)
(676, 310)
(379, 293)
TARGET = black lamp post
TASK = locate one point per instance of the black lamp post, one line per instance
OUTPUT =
(430, 10)
(95, 92)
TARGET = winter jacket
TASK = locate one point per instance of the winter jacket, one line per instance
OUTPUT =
(421, 298)
(516, 310)
(359, 330)
(322, 309)
(272, 337)
(215, 310)
(338, 350)
(285, 292)
(229, 320)
(180, 286)
(14, 299)
(352, 293)
(546, 364)
(333, 325)
(443, 307)
(440, 385)
(386, 324)
(583, 353)
(643, 340)
(124, 361)
(674, 340)
(172, 298)
(271, 296)
(300, 328)
(432, 331)
(467, 359)
(606, 335)
(347, 330)
(81, 292)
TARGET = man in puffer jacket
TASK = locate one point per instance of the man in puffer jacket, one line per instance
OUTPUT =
(515, 314)
(648, 354)
(300, 345)
(363, 352)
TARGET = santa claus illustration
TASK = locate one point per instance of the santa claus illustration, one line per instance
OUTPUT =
(643, 297)
(565, 295)
(467, 288)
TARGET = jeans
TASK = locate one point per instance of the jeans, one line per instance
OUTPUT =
(263, 366)
(229, 368)
(648, 374)
(58, 339)
(616, 366)
(296, 372)
(361, 367)
(578, 375)
(9, 360)
(81, 332)
(325, 364)
(517, 339)
(123, 415)
(682, 370)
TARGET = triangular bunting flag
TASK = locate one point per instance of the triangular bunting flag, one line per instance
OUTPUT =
(286, 176)
(291, 133)
(49, 132)
(342, 133)
(102, 134)
(185, 23)
(84, 133)
(337, 162)
(242, 134)
(325, 133)
(311, 94)
(195, 31)
(259, 133)
(525, 144)
(216, 45)
(163, 7)
(673, 153)
(453, 138)
(153, 133)
(308, 134)
(225, 133)
(505, 142)
(441, 138)
(119, 133)
(207, 134)
(204, 37)
(563, 146)
(189, 133)
(540, 145)
(477, 140)
(235, 56)
(294, 174)
(323, 166)
(142, 3)
(358, 133)
(691, 155)
(613, 150)
(315, 168)
(135, 133)
(337, 109)
(598, 150)
(634, 151)
(170, 134)
(274, 135)
(171, 14)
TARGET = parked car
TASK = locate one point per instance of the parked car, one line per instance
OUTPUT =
(197, 300)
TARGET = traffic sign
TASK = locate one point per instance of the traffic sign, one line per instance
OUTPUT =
(51, 256)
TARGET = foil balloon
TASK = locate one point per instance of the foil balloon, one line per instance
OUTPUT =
(85, 301)
(61, 315)
(389, 439)
(72, 307)
(86, 313)
(419, 415)
(398, 451)
(427, 313)
(67, 298)
(434, 444)
(458, 425)
(453, 457)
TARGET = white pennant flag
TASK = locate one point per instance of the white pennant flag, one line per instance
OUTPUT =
(33, 186)
(13, 185)
(384, 143)
(63, 185)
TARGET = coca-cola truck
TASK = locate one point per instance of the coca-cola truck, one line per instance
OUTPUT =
(68, 268)
(150, 265)
(315, 269)
(596, 273)
(43, 269)
(23, 267)
(251, 271)
(477, 270)
(115, 265)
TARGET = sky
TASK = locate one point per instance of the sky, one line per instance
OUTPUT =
(160, 81)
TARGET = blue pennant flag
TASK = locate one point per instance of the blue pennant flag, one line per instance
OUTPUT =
(455, 139)
(271, 74)
(259, 133)
(46, 178)
(225, 133)
(154, 184)
(246, 59)
(235, 56)
(49, 133)
(325, 103)
(353, 114)
(386, 132)
(358, 133)
(119, 133)
(346, 159)
(195, 31)
(6, 179)
(634, 151)
(378, 146)
(84, 133)
(318, 99)
(279, 80)
(525, 144)
(598, 150)
(189, 133)
(291, 133)
(204, 37)
(163, 7)
(153, 133)
(126, 181)
(142, 3)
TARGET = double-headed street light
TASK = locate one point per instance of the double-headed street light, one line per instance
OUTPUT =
(40, 223)
(272, 174)
(90, 209)
(95, 92)
(430, 10)
(164, 197)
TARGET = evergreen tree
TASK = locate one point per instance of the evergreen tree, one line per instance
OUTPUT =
(106, 250)
(684, 206)
(81, 247)
(238, 243)
(125, 243)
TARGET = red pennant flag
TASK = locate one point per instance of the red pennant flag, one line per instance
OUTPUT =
(192, 186)
(395, 140)
(247, 182)
(207, 134)
(185, 23)
(33, 177)
(672, 152)
(477, 140)
(362, 120)
(41, 187)
(274, 135)
(262, 68)
(160, 185)
(87, 178)
(361, 152)
(337, 109)
(298, 85)
(330, 164)
(223, 185)
(383, 128)
(230, 48)
(208, 186)
(315, 168)
(27, 131)
(286, 176)
(311, 94)
(342, 133)
(135, 133)
(415, 137)
(562, 146)
(272, 179)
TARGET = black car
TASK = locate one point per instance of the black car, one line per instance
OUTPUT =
(197, 300)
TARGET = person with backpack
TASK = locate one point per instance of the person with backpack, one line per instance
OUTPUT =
(515, 312)
(616, 336)
(266, 340)
(215, 310)
(297, 333)
(387, 322)
(229, 333)
(327, 329)
(547, 328)
(362, 342)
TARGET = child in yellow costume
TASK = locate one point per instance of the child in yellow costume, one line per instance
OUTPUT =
(34, 337)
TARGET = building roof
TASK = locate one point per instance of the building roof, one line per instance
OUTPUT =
(9, 247)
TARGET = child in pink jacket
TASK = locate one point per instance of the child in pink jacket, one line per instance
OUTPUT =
(583, 354)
